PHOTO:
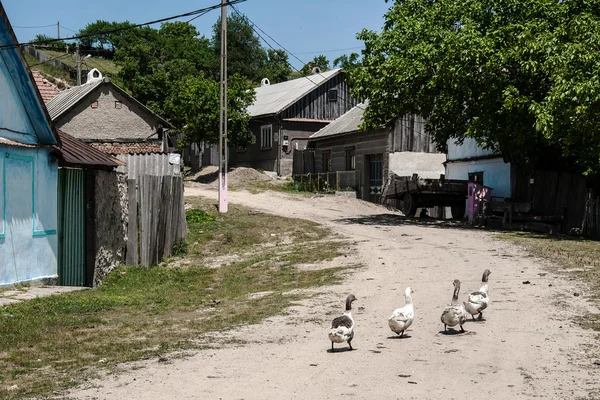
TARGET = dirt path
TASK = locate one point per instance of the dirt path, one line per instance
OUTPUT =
(527, 347)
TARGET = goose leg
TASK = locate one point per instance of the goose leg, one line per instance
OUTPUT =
(401, 333)
(472, 316)
(480, 316)
(445, 329)
(350, 344)
(461, 329)
(332, 349)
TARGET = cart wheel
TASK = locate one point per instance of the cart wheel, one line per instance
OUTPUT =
(410, 205)
(458, 211)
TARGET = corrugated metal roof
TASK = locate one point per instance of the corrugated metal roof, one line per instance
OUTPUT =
(349, 122)
(76, 153)
(68, 98)
(272, 99)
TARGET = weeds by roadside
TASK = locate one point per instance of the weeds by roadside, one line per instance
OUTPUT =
(49, 344)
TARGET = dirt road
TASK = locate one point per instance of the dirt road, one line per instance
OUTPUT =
(526, 347)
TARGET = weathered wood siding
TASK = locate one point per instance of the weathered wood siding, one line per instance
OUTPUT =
(365, 145)
(409, 135)
(316, 105)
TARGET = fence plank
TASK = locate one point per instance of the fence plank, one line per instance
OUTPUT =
(132, 226)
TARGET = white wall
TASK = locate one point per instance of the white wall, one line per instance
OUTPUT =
(469, 149)
(496, 174)
(427, 165)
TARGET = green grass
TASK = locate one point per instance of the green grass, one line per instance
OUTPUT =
(103, 65)
(53, 343)
(49, 71)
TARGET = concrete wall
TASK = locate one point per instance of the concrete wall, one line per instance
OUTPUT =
(469, 149)
(28, 215)
(107, 122)
(407, 163)
(496, 174)
(111, 222)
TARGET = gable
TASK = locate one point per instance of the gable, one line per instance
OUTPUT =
(23, 118)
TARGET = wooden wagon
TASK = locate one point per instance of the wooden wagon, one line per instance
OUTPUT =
(416, 192)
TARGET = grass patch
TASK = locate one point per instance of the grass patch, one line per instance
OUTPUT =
(53, 343)
(50, 72)
(103, 65)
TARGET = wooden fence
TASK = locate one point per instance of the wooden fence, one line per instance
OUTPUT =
(304, 162)
(156, 218)
(348, 181)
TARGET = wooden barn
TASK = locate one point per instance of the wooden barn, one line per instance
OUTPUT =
(285, 115)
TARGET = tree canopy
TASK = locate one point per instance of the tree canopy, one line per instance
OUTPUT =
(518, 76)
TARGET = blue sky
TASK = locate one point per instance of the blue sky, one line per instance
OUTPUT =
(305, 27)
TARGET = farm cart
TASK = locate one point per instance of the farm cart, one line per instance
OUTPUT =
(416, 192)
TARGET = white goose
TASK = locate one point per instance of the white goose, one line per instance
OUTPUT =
(478, 301)
(342, 327)
(403, 317)
(454, 314)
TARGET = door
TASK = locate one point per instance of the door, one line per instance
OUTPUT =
(375, 177)
(71, 227)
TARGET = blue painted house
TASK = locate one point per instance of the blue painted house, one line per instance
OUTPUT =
(28, 172)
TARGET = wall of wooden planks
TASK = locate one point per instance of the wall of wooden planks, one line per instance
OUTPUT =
(156, 218)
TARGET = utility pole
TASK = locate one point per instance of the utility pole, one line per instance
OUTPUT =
(58, 27)
(78, 62)
(223, 113)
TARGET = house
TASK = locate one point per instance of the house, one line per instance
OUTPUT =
(285, 115)
(28, 172)
(108, 118)
(365, 159)
(469, 161)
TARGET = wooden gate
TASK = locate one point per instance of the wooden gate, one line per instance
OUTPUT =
(71, 227)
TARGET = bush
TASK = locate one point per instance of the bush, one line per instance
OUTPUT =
(195, 216)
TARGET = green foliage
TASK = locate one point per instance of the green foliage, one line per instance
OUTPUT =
(97, 38)
(515, 75)
(50, 42)
(348, 62)
(277, 68)
(195, 216)
(322, 62)
(245, 55)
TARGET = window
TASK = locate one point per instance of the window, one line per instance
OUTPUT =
(350, 159)
(332, 95)
(476, 177)
(266, 136)
(326, 161)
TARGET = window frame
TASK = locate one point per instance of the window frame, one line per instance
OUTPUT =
(351, 158)
(263, 143)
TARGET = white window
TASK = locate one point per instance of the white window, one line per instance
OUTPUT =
(266, 136)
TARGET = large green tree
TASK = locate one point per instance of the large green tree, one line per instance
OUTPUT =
(518, 76)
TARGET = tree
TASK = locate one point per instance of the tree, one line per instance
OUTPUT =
(100, 35)
(517, 76)
(347, 62)
(322, 62)
(245, 55)
(194, 106)
(277, 68)
(45, 40)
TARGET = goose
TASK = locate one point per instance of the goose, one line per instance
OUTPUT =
(454, 313)
(403, 317)
(478, 301)
(342, 327)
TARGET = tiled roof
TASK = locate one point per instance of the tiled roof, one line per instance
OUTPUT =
(47, 89)
(272, 99)
(128, 147)
(349, 122)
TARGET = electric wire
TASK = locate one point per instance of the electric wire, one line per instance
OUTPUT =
(201, 11)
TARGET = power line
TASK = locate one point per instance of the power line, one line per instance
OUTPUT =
(33, 27)
(201, 11)
(253, 25)
(50, 60)
(330, 51)
(69, 29)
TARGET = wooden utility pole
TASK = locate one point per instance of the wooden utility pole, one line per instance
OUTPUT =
(78, 62)
(223, 202)
(58, 27)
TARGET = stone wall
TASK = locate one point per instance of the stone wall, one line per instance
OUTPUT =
(111, 222)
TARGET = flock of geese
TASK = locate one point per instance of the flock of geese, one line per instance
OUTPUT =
(342, 327)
